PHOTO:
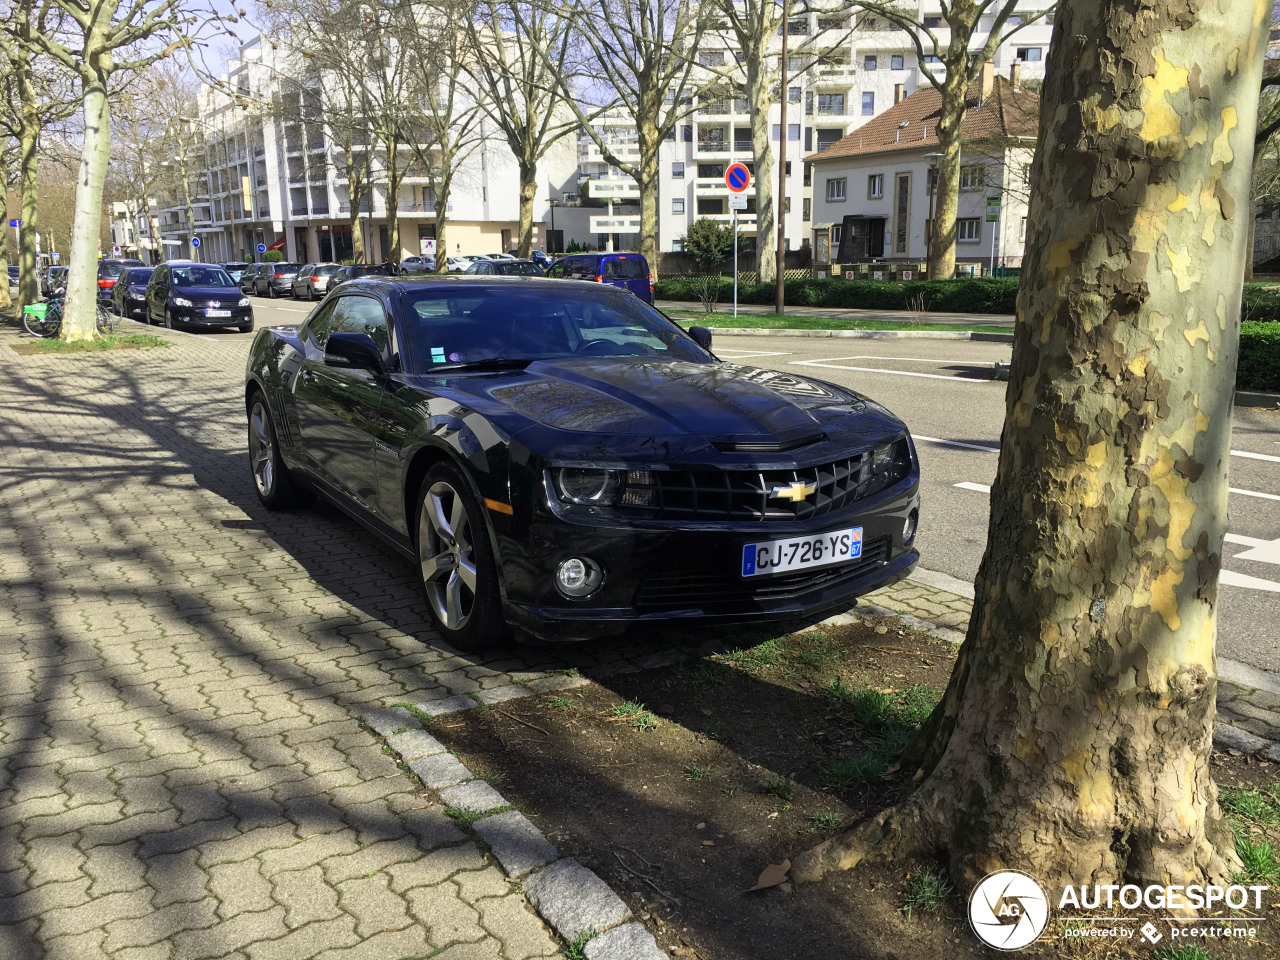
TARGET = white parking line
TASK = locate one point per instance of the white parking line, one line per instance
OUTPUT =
(893, 373)
(975, 487)
(744, 354)
(1246, 454)
(1252, 493)
(956, 443)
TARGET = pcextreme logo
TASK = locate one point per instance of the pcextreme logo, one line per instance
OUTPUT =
(1008, 910)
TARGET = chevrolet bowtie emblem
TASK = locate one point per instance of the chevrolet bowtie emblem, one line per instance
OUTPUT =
(793, 491)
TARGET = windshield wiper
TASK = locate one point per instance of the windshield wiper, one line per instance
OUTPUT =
(492, 363)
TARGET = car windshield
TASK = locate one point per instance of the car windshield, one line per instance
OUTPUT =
(140, 274)
(466, 326)
(200, 276)
(326, 271)
(285, 268)
(520, 269)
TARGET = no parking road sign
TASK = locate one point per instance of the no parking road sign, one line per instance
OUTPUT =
(738, 177)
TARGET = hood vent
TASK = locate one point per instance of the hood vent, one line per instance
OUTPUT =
(729, 446)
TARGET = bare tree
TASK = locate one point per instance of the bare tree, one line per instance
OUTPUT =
(1074, 737)
(963, 56)
(102, 40)
(644, 53)
(510, 56)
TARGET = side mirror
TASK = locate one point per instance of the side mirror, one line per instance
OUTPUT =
(353, 351)
(701, 336)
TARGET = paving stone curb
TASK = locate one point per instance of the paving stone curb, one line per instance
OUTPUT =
(571, 898)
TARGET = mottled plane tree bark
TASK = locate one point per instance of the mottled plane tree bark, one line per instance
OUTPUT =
(1073, 741)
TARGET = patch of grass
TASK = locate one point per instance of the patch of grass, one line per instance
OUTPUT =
(1185, 951)
(561, 702)
(574, 951)
(636, 715)
(463, 818)
(762, 655)
(825, 820)
(849, 772)
(1259, 858)
(111, 341)
(420, 715)
(695, 772)
(896, 739)
(1250, 803)
(926, 891)
(869, 707)
(784, 788)
(917, 703)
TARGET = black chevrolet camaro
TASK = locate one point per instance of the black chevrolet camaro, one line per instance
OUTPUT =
(565, 460)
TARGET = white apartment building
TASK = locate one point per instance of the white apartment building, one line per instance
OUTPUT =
(865, 66)
(267, 178)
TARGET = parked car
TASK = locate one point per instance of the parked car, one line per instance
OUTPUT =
(353, 270)
(506, 268)
(274, 279)
(418, 265)
(13, 274)
(499, 256)
(564, 460)
(312, 281)
(235, 270)
(55, 278)
(108, 272)
(629, 271)
(541, 259)
(249, 279)
(197, 293)
(129, 295)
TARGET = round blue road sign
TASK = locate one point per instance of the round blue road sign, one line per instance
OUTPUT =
(195, 242)
(262, 248)
(737, 177)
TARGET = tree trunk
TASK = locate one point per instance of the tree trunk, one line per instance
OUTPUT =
(1253, 231)
(443, 188)
(153, 226)
(649, 144)
(942, 234)
(82, 279)
(28, 162)
(766, 226)
(1074, 738)
(528, 192)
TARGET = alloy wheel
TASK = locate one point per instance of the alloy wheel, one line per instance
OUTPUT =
(447, 555)
(262, 450)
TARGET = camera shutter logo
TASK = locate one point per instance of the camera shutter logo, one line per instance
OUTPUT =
(1008, 910)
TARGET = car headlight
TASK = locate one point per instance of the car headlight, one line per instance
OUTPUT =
(244, 302)
(589, 486)
(137, 296)
(181, 302)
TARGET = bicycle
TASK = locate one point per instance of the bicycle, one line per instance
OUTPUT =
(45, 319)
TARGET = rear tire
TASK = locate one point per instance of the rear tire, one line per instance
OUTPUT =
(274, 483)
(455, 563)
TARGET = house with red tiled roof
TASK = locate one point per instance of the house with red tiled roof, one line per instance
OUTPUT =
(873, 190)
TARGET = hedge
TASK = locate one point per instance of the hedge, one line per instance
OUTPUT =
(949, 296)
(1259, 366)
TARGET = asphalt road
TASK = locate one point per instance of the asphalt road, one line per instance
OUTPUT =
(944, 391)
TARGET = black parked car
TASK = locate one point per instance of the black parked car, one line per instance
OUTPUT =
(506, 268)
(353, 270)
(129, 295)
(563, 459)
(197, 293)
(108, 272)
(235, 270)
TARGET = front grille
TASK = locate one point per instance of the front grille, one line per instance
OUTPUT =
(747, 495)
(729, 592)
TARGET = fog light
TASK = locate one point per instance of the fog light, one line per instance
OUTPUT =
(578, 577)
(909, 526)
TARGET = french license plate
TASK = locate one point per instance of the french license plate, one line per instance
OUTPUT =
(801, 553)
(217, 313)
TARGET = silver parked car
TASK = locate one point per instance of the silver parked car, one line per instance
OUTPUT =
(312, 280)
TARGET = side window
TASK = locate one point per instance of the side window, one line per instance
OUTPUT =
(556, 272)
(318, 325)
(363, 315)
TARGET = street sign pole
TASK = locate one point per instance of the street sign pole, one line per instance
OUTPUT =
(737, 178)
(735, 263)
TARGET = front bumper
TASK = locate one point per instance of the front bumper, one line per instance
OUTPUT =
(197, 316)
(675, 572)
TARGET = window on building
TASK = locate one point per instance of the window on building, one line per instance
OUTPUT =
(973, 177)
(931, 58)
(832, 23)
(1031, 54)
(827, 137)
(1026, 174)
(786, 206)
(831, 104)
(875, 186)
(808, 174)
(1022, 231)
(836, 231)
(868, 103)
(677, 246)
(777, 131)
(895, 62)
(806, 209)
(686, 133)
(1014, 21)
(932, 23)
(869, 62)
(793, 95)
(677, 205)
(739, 56)
(677, 170)
(793, 132)
(711, 58)
(968, 230)
(788, 172)
(710, 206)
(835, 190)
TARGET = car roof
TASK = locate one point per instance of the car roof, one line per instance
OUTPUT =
(462, 281)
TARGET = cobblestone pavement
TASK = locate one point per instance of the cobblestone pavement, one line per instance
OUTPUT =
(182, 771)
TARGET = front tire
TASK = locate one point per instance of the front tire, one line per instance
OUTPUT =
(245, 327)
(455, 562)
(274, 483)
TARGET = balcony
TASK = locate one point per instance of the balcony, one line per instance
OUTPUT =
(836, 109)
(413, 206)
(298, 210)
(344, 206)
(711, 186)
(743, 146)
(712, 147)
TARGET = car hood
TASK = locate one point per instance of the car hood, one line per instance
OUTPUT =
(670, 409)
(206, 293)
